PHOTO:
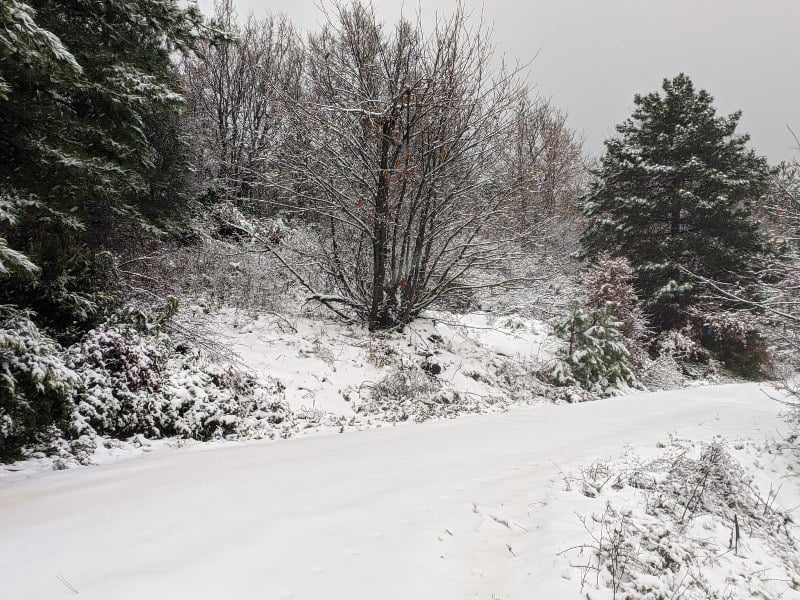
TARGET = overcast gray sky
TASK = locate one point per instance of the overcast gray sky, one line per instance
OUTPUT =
(593, 55)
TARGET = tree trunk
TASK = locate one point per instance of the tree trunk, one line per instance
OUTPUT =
(380, 230)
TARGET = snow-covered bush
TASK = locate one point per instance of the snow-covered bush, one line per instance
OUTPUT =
(662, 373)
(678, 355)
(666, 525)
(570, 394)
(36, 385)
(401, 391)
(596, 357)
(609, 283)
(409, 393)
(122, 374)
(517, 378)
(680, 345)
(604, 336)
(610, 280)
(121, 379)
(134, 382)
(209, 401)
(737, 342)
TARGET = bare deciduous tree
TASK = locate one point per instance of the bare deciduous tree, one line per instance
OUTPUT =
(236, 92)
(544, 159)
(396, 156)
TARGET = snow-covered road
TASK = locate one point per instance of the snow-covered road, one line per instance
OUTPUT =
(437, 510)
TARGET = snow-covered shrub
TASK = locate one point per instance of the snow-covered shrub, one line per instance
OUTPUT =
(662, 373)
(209, 401)
(610, 280)
(36, 385)
(737, 342)
(409, 393)
(122, 374)
(604, 337)
(596, 357)
(123, 378)
(401, 391)
(677, 355)
(609, 284)
(570, 394)
(518, 378)
(680, 345)
(678, 352)
(134, 382)
(666, 525)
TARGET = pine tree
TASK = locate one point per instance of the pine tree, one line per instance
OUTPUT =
(675, 189)
(89, 141)
(609, 284)
(596, 357)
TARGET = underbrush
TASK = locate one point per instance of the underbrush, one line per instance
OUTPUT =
(690, 524)
(138, 374)
(610, 350)
(410, 393)
(123, 378)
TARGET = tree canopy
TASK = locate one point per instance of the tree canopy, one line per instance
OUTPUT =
(89, 104)
(674, 193)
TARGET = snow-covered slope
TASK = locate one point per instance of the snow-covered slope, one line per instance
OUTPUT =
(332, 367)
(446, 509)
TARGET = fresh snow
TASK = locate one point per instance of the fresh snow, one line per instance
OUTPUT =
(324, 372)
(330, 367)
(468, 508)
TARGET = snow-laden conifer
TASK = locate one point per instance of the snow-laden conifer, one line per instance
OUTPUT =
(675, 192)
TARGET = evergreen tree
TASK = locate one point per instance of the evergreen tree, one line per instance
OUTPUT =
(675, 189)
(89, 141)
(596, 358)
(609, 284)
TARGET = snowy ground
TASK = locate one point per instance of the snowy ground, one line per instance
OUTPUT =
(332, 367)
(335, 377)
(476, 507)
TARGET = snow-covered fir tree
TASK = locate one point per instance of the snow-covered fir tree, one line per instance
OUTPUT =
(90, 146)
(596, 357)
(675, 191)
(609, 285)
